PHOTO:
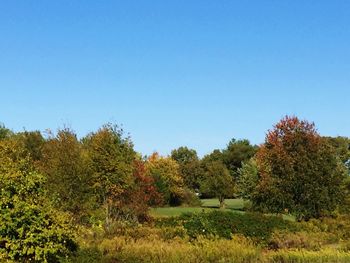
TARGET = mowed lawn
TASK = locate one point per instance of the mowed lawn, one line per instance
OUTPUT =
(207, 205)
(233, 205)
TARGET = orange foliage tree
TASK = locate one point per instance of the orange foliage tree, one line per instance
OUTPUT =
(299, 171)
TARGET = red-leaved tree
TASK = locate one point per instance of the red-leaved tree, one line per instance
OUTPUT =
(299, 172)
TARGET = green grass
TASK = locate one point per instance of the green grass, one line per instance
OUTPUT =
(175, 211)
(235, 205)
(207, 205)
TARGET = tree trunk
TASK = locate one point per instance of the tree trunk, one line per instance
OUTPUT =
(222, 202)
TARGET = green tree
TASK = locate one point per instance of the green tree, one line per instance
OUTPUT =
(248, 179)
(342, 148)
(33, 143)
(5, 132)
(30, 230)
(190, 168)
(299, 171)
(215, 155)
(217, 181)
(237, 152)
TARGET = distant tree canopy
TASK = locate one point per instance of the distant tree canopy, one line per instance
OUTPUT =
(189, 166)
(299, 171)
(237, 152)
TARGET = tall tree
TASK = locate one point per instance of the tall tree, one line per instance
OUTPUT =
(299, 171)
(67, 179)
(110, 158)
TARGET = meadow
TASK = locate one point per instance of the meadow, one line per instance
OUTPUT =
(210, 234)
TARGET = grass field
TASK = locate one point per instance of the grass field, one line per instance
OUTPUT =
(234, 205)
(207, 205)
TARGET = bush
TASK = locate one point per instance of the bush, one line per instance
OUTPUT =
(30, 230)
(190, 198)
(298, 240)
(224, 224)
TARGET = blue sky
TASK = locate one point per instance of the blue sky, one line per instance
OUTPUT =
(183, 72)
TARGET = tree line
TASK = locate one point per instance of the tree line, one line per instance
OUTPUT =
(53, 182)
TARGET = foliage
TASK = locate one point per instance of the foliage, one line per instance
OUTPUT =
(299, 171)
(342, 148)
(5, 133)
(29, 229)
(184, 155)
(217, 181)
(110, 159)
(225, 224)
(134, 202)
(63, 163)
(166, 174)
(345, 206)
(189, 165)
(33, 143)
(237, 152)
(215, 155)
(248, 179)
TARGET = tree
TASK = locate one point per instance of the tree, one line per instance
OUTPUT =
(110, 158)
(237, 152)
(217, 181)
(215, 155)
(190, 168)
(5, 132)
(67, 177)
(184, 155)
(342, 148)
(30, 229)
(33, 143)
(299, 172)
(134, 203)
(248, 179)
(166, 173)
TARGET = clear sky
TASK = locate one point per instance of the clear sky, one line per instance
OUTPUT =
(180, 72)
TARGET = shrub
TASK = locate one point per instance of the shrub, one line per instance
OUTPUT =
(30, 230)
(257, 227)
